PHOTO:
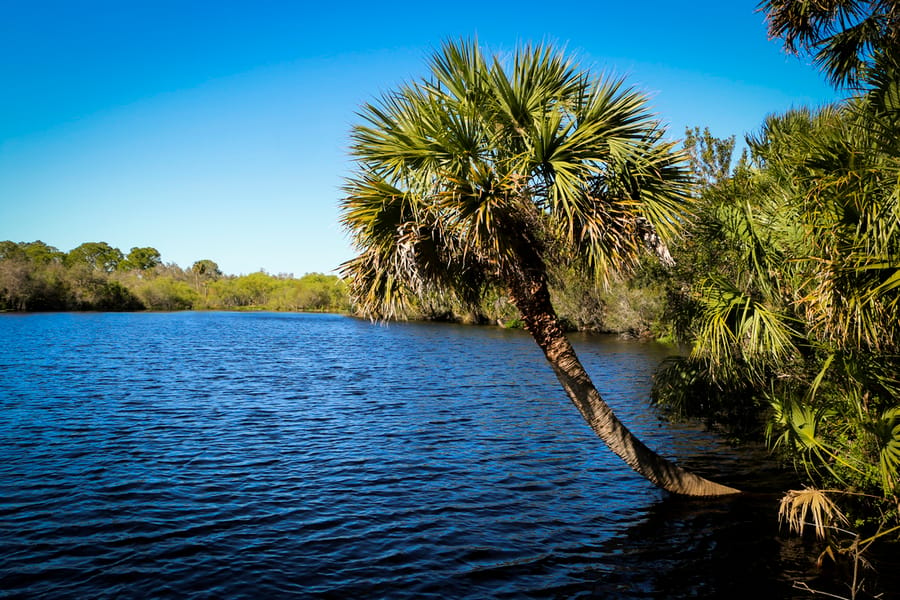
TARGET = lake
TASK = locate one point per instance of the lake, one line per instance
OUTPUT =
(260, 455)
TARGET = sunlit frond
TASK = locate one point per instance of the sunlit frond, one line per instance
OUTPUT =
(801, 508)
(735, 325)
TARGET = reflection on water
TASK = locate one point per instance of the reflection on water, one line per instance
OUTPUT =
(221, 455)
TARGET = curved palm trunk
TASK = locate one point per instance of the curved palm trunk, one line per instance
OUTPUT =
(533, 301)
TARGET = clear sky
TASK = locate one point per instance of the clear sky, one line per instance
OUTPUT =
(218, 129)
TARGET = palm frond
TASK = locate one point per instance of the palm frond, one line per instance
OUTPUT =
(887, 436)
(801, 508)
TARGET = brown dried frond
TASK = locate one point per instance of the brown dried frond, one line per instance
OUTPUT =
(797, 505)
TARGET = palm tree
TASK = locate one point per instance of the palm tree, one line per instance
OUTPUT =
(486, 173)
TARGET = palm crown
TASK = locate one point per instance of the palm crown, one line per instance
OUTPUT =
(489, 170)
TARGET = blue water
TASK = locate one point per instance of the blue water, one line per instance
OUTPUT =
(224, 455)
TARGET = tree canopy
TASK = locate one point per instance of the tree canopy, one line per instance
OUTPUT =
(141, 259)
(488, 170)
(96, 276)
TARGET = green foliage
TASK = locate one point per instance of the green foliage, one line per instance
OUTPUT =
(40, 253)
(98, 256)
(787, 292)
(90, 289)
(15, 282)
(31, 277)
(141, 259)
(95, 276)
(166, 293)
(710, 156)
(206, 270)
(245, 291)
(493, 171)
(789, 282)
(848, 39)
(886, 438)
(313, 292)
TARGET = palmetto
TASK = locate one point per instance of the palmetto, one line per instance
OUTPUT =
(491, 170)
(802, 311)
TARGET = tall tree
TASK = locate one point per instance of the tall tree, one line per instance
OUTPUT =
(710, 156)
(206, 270)
(98, 256)
(141, 259)
(489, 171)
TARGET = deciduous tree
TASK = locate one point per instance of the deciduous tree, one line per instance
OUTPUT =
(99, 256)
(141, 259)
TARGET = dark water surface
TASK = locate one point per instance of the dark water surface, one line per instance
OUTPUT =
(223, 455)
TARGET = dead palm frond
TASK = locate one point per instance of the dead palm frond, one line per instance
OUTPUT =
(810, 507)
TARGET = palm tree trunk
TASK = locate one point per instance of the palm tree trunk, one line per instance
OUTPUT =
(532, 298)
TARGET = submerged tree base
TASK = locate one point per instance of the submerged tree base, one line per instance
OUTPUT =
(533, 300)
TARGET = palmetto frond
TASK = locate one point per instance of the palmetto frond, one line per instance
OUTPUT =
(852, 217)
(736, 325)
(886, 432)
(809, 506)
(837, 173)
(844, 37)
(808, 432)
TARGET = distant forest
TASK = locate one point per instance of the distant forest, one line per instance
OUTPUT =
(96, 276)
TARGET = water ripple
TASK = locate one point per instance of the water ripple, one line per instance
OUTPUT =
(216, 455)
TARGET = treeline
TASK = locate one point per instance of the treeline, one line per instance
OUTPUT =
(96, 276)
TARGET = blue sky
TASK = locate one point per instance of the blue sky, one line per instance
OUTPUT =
(219, 129)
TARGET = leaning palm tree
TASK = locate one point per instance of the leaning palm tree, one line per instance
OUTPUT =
(489, 171)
